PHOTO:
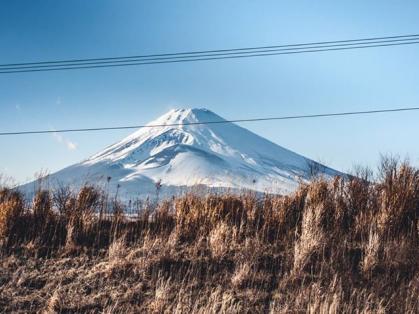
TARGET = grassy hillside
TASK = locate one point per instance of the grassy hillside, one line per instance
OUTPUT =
(339, 246)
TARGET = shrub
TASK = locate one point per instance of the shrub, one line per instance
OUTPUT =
(11, 208)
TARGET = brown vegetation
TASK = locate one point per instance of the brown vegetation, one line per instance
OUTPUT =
(341, 246)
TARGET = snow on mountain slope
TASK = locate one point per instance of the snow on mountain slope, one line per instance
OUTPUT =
(216, 155)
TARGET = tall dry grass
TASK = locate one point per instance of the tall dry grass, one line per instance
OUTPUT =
(345, 245)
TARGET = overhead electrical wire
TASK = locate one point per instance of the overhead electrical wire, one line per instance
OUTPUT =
(305, 116)
(225, 50)
(195, 59)
(210, 54)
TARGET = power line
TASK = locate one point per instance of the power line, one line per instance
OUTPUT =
(306, 116)
(184, 54)
(220, 50)
(201, 55)
(210, 54)
(202, 59)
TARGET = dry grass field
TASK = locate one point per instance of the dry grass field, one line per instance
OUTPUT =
(341, 246)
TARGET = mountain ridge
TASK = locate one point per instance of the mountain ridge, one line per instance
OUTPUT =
(192, 147)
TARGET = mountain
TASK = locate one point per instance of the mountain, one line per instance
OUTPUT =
(180, 154)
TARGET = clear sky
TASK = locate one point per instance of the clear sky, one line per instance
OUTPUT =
(375, 78)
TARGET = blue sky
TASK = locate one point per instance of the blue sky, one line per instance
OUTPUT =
(271, 86)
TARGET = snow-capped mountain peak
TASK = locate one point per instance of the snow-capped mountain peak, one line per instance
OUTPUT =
(187, 147)
(174, 127)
